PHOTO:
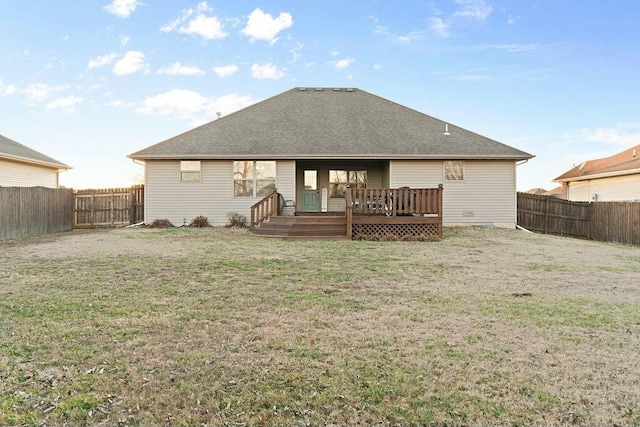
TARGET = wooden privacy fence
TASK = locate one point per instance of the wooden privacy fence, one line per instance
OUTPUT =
(108, 207)
(603, 221)
(31, 211)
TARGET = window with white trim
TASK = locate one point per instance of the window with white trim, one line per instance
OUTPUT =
(190, 170)
(453, 170)
(253, 178)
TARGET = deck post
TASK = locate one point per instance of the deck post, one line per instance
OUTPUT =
(349, 212)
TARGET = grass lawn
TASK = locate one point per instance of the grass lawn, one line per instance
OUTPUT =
(218, 327)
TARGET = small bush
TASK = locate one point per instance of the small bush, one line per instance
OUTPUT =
(200, 221)
(238, 221)
(161, 223)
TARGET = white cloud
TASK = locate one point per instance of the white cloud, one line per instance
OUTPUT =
(476, 10)
(439, 26)
(102, 60)
(122, 8)
(225, 70)
(182, 70)
(266, 71)
(65, 103)
(469, 10)
(407, 38)
(118, 103)
(296, 52)
(8, 90)
(132, 62)
(343, 64)
(192, 106)
(197, 22)
(39, 92)
(262, 26)
(377, 67)
(334, 52)
(124, 40)
(623, 135)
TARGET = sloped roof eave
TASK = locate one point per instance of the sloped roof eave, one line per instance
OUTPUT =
(598, 175)
(60, 166)
(136, 156)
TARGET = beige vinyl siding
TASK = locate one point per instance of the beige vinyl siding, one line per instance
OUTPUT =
(579, 191)
(486, 196)
(166, 197)
(17, 174)
(614, 189)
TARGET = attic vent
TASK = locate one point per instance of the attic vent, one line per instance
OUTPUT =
(336, 89)
(318, 89)
(446, 129)
(302, 89)
(349, 89)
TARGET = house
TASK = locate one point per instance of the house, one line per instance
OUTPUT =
(554, 192)
(614, 178)
(20, 166)
(314, 145)
(536, 191)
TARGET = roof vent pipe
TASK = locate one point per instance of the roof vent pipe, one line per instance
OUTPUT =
(446, 129)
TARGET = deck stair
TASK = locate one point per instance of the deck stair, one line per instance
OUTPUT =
(330, 227)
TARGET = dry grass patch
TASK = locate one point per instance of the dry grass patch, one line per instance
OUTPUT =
(215, 326)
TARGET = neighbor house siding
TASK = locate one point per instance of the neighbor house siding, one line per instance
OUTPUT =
(17, 174)
(614, 189)
(486, 196)
(166, 197)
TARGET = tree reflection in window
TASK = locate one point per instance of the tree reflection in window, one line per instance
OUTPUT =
(253, 178)
(339, 180)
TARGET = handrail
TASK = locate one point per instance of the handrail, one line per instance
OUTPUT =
(394, 201)
(264, 209)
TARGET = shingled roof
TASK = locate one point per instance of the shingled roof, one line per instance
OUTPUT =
(624, 163)
(319, 123)
(12, 150)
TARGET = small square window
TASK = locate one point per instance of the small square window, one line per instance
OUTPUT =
(453, 170)
(190, 170)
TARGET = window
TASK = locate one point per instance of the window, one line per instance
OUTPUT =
(453, 170)
(190, 170)
(253, 178)
(339, 180)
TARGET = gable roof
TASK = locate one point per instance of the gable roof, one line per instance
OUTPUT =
(348, 123)
(12, 150)
(624, 163)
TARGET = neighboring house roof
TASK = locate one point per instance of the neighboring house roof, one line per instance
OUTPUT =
(555, 192)
(12, 150)
(536, 191)
(308, 123)
(624, 163)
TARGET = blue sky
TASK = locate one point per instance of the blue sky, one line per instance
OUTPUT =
(88, 82)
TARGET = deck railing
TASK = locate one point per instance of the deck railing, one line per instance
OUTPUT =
(264, 209)
(383, 209)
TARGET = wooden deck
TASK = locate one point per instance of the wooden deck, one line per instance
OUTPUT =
(379, 214)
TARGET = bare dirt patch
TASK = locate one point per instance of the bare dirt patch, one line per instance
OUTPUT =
(215, 326)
